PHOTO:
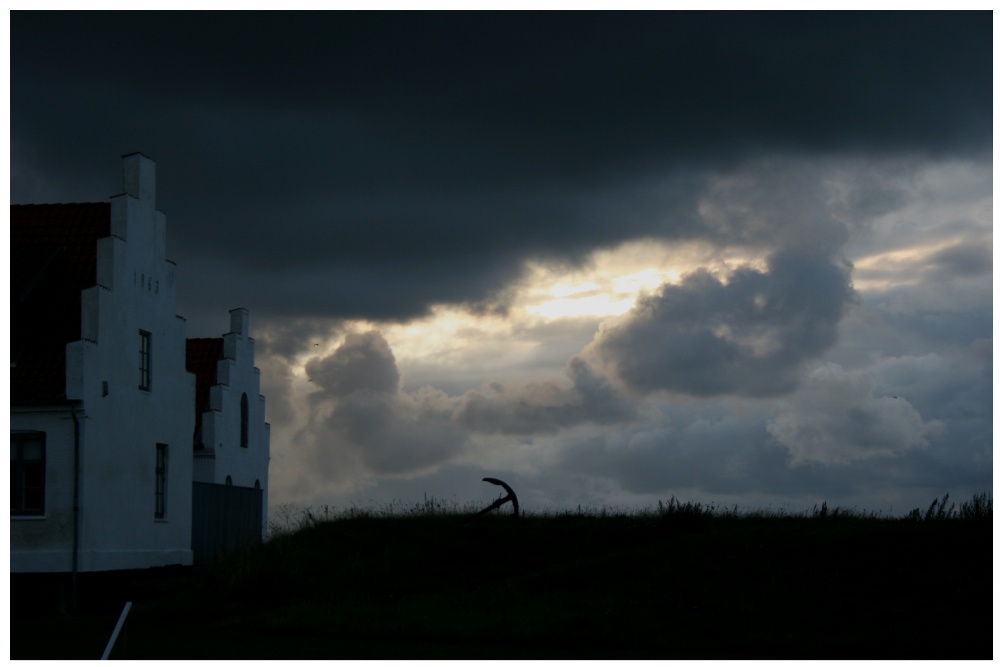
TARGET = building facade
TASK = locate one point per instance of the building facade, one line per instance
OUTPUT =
(232, 440)
(103, 406)
(101, 466)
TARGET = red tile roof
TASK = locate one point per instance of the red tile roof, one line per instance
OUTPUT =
(53, 256)
(202, 355)
(53, 253)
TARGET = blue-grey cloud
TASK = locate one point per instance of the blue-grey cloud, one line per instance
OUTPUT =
(359, 415)
(749, 335)
(836, 418)
(363, 362)
(545, 407)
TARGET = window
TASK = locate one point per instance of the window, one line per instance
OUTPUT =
(229, 480)
(160, 502)
(27, 473)
(256, 484)
(145, 360)
(244, 420)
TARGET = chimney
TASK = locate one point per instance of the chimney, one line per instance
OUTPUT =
(239, 321)
(140, 177)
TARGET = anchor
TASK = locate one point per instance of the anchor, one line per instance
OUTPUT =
(511, 497)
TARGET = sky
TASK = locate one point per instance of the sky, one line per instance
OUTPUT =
(735, 258)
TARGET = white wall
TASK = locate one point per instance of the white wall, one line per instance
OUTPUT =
(237, 375)
(123, 423)
(44, 543)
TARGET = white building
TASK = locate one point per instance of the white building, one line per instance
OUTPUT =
(231, 441)
(102, 404)
(101, 465)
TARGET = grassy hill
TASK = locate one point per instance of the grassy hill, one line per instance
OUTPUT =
(679, 582)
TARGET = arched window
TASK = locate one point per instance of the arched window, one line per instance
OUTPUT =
(229, 480)
(244, 421)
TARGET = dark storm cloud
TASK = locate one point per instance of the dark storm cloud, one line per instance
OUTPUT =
(772, 203)
(359, 413)
(954, 388)
(545, 407)
(882, 453)
(735, 458)
(363, 362)
(289, 337)
(323, 167)
(705, 450)
(966, 260)
(394, 434)
(749, 335)
(362, 164)
(634, 83)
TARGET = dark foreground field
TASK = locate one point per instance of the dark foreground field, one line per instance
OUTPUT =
(670, 584)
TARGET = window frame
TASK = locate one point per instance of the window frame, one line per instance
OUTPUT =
(244, 421)
(145, 360)
(160, 482)
(18, 466)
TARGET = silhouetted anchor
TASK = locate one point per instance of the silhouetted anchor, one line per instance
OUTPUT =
(510, 497)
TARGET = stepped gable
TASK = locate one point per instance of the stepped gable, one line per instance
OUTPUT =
(53, 257)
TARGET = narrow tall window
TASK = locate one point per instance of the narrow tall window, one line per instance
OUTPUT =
(244, 421)
(27, 473)
(145, 360)
(160, 502)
